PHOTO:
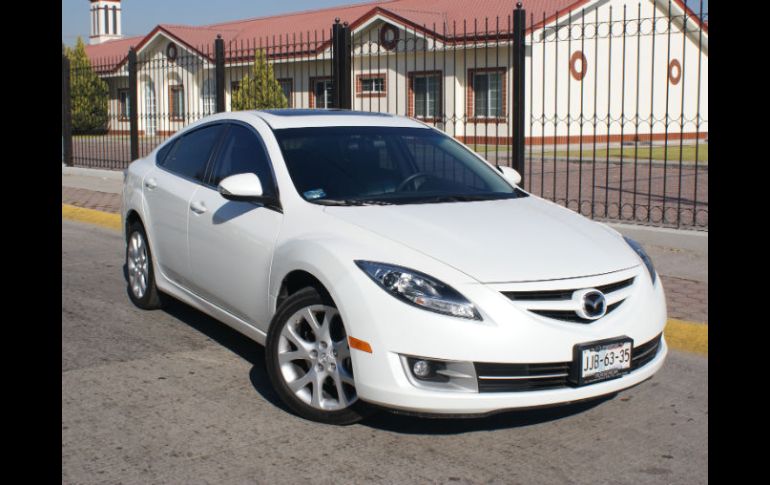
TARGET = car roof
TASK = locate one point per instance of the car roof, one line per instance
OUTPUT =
(304, 118)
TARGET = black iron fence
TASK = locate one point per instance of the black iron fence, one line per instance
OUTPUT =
(604, 112)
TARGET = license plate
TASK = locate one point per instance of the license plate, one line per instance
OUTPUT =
(602, 360)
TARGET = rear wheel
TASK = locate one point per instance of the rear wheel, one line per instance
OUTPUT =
(141, 274)
(308, 360)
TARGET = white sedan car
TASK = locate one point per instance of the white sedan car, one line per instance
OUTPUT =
(384, 264)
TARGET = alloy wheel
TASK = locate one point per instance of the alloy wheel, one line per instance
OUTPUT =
(314, 358)
(138, 265)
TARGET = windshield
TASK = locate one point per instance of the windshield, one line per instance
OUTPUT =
(382, 165)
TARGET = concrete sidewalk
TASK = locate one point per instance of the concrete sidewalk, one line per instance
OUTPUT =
(680, 256)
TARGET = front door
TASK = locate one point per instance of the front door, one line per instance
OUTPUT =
(231, 243)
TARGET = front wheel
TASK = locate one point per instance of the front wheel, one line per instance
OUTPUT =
(308, 360)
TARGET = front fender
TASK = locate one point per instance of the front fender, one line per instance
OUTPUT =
(326, 262)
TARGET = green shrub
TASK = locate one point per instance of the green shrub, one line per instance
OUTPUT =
(89, 93)
(259, 89)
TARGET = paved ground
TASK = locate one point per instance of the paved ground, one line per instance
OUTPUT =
(650, 193)
(91, 199)
(173, 396)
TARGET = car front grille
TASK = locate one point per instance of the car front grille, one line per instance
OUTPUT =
(644, 353)
(493, 377)
(558, 304)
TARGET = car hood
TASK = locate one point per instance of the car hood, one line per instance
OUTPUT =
(513, 240)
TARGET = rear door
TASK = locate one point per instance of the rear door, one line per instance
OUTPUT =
(231, 243)
(168, 190)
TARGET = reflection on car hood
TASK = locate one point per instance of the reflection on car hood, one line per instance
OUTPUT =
(524, 239)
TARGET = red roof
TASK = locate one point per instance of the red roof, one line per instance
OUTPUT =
(105, 56)
(311, 30)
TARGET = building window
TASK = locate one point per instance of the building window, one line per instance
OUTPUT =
(425, 95)
(209, 96)
(106, 29)
(486, 93)
(176, 102)
(287, 85)
(321, 93)
(370, 85)
(114, 20)
(124, 104)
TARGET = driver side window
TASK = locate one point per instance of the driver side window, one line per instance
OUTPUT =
(243, 152)
(443, 161)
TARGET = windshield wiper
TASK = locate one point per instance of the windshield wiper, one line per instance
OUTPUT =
(343, 202)
(461, 198)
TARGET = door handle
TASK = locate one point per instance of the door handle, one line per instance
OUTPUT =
(198, 207)
(150, 183)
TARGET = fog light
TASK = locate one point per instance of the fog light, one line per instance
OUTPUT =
(421, 369)
(440, 375)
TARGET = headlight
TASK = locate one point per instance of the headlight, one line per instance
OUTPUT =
(420, 290)
(642, 254)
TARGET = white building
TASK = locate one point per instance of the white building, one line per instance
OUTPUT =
(427, 59)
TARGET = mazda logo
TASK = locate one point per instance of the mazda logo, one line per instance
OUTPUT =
(593, 304)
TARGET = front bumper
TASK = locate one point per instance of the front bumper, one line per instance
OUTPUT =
(506, 335)
(420, 400)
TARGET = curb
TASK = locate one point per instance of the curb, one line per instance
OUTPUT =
(116, 174)
(683, 239)
(91, 216)
(680, 334)
(688, 336)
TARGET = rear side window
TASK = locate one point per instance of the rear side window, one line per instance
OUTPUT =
(192, 151)
(163, 152)
(243, 152)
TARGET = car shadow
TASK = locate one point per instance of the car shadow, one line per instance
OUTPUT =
(396, 422)
(385, 420)
(232, 340)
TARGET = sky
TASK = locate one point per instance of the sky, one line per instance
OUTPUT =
(141, 16)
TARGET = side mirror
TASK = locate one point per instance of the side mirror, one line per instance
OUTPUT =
(510, 174)
(243, 186)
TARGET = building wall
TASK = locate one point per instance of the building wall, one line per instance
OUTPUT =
(614, 89)
(156, 73)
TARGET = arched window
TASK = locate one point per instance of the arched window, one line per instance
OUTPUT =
(209, 96)
(106, 29)
(150, 108)
(115, 20)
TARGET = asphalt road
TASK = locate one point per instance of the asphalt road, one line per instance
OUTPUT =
(173, 396)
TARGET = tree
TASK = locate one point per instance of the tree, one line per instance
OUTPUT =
(89, 93)
(259, 89)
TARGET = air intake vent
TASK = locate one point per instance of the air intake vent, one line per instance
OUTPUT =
(559, 305)
(571, 316)
(554, 295)
(537, 377)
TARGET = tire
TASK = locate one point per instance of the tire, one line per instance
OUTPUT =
(139, 269)
(309, 372)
